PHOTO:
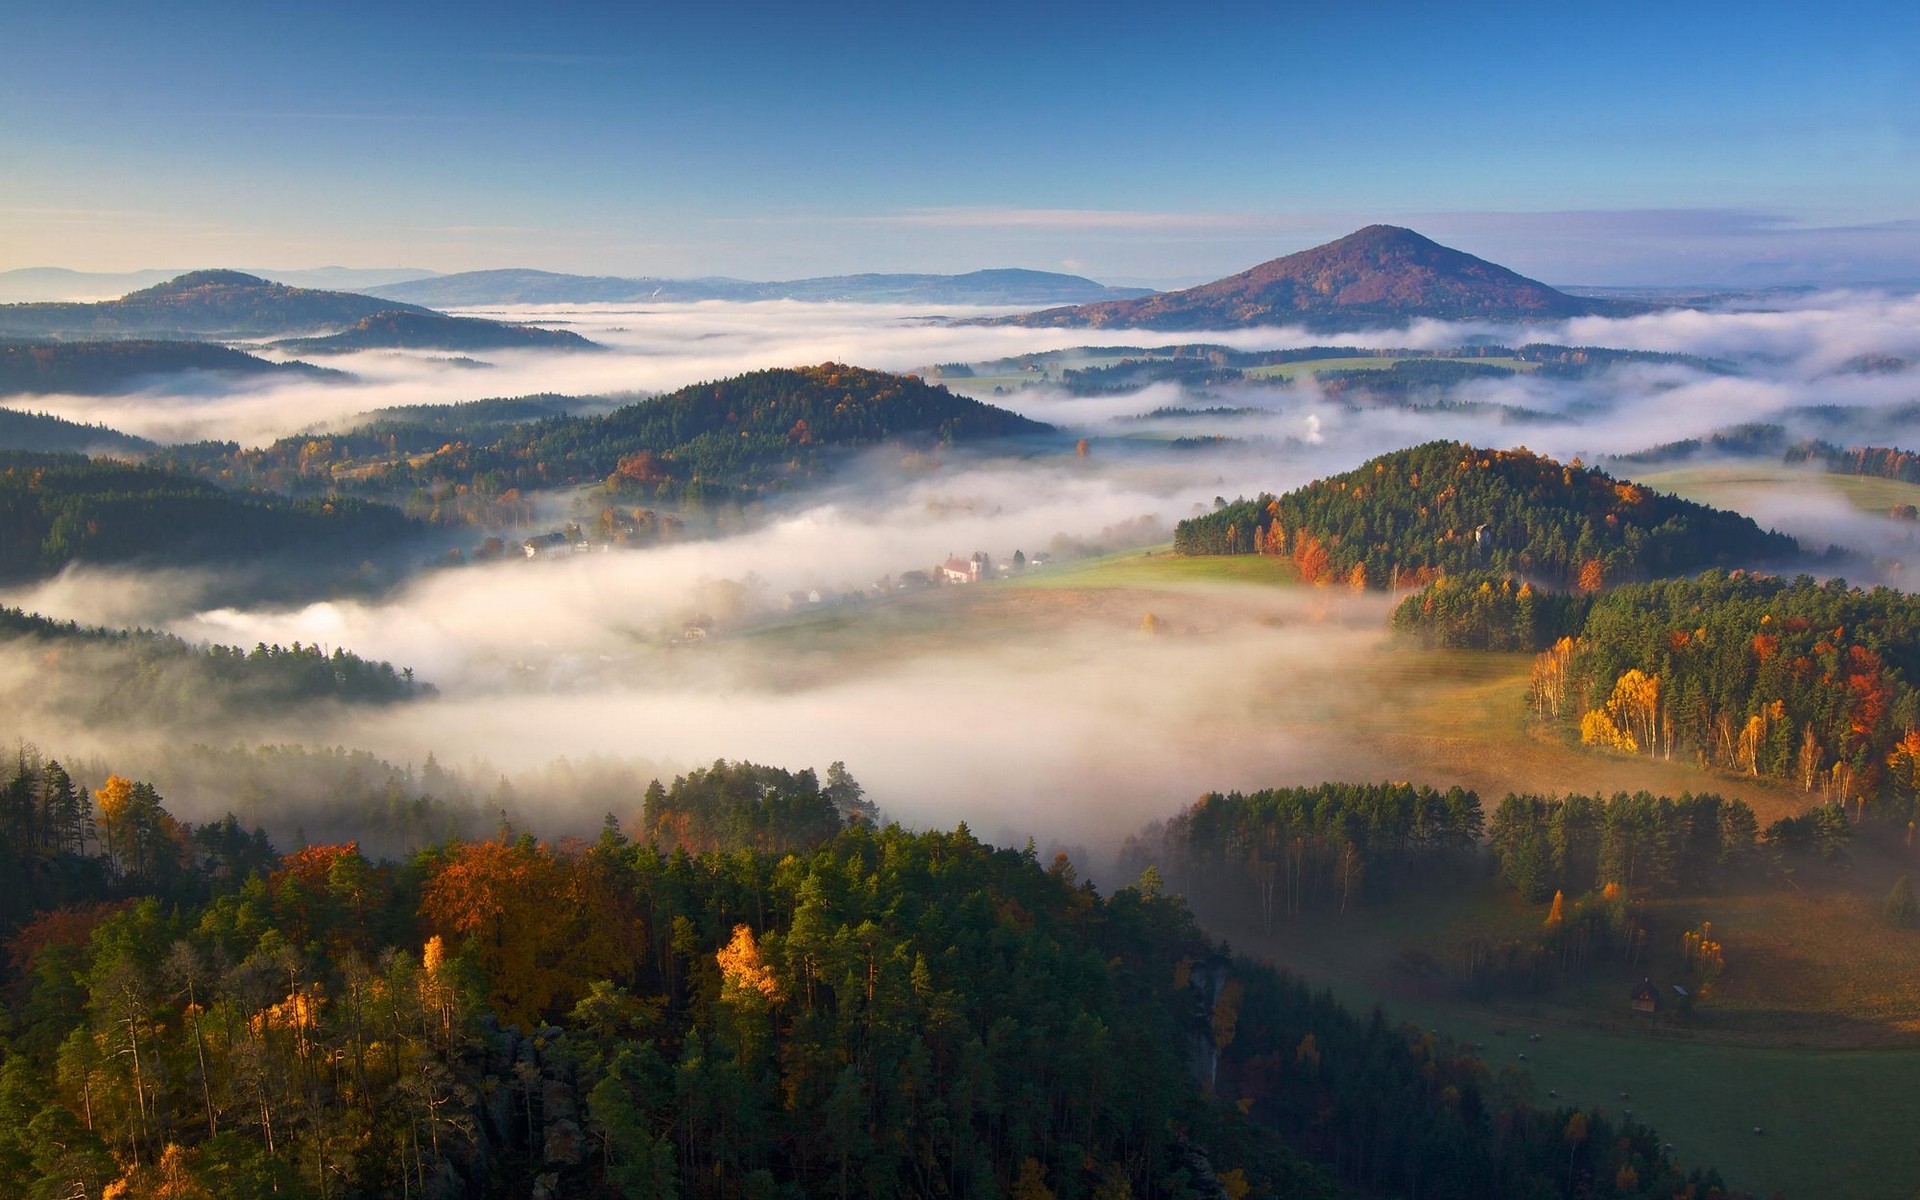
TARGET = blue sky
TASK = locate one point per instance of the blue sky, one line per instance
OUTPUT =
(1581, 143)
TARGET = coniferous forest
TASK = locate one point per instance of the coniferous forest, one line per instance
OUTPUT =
(845, 1010)
(57, 509)
(1449, 508)
(731, 440)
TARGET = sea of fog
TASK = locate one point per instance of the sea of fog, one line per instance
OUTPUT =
(1058, 729)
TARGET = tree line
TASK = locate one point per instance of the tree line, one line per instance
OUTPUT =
(1799, 680)
(1880, 462)
(868, 1011)
(57, 509)
(1654, 845)
(1485, 610)
(151, 677)
(1281, 852)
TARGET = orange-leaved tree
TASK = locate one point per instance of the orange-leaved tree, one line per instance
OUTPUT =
(542, 927)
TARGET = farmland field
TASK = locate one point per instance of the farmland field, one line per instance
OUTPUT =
(1729, 485)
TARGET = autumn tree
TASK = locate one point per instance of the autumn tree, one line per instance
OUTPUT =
(1309, 558)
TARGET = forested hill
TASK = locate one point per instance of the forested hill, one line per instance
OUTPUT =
(413, 329)
(145, 678)
(863, 1012)
(62, 508)
(734, 439)
(109, 367)
(1376, 277)
(46, 432)
(1447, 508)
(199, 303)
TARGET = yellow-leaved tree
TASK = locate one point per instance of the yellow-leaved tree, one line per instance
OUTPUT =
(1598, 729)
(742, 974)
(1631, 719)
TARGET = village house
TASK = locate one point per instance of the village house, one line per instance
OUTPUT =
(546, 544)
(1646, 997)
(965, 570)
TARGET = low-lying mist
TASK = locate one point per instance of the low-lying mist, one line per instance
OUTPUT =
(1019, 709)
(1791, 357)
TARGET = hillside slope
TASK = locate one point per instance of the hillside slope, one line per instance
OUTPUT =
(1448, 508)
(414, 329)
(111, 367)
(738, 438)
(1380, 276)
(197, 304)
(57, 509)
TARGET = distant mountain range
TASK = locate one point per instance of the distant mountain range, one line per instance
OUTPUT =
(35, 284)
(199, 304)
(1381, 276)
(416, 329)
(128, 365)
(995, 287)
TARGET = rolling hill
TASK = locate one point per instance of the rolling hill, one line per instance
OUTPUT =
(517, 286)
(1381, 276)
(729, 440)
(106, 368)
(57, 509)
(48, 434)
(417, 329)
(199, 304)
(1450, 508)
(33, 284)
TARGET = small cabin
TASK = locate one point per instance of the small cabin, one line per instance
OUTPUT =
(1646, 997)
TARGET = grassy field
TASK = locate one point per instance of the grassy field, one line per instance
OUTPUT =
(1727, 485)
(1814, 1034)
(1156, 568)
(1835, 1121)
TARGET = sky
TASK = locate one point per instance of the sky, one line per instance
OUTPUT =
(1751, 143)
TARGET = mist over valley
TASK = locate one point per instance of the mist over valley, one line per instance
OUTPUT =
(1288, 603)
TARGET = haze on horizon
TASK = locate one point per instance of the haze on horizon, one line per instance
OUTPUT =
(1640, 146)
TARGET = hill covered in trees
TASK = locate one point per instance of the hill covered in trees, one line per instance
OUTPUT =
(46, 433)
(1379, 276)
(110, 367)
(148, 678)
(416, 329)
(867, 1012)
(731, 440)
(197, 304)
(1448, 508)
(61, 508)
